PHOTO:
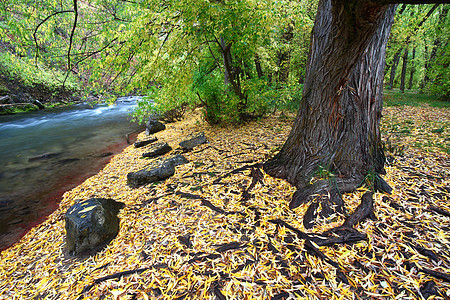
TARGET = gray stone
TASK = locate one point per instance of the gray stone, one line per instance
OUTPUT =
(193, 141)
(159, 169)
(91, 225)
(140, 144)
(157, 149)
(152, 126)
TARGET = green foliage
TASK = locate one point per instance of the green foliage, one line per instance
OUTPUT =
(185, 58)
(428, 35)
(396, 98)
(3, 90)
(439, 72)
(173, 51)
(25, 71)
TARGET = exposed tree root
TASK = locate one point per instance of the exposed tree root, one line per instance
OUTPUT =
(119, 275)
(436, 274)
(328, 203)
(439, 211)
(235, 171)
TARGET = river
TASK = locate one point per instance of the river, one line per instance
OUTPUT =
(45, 153)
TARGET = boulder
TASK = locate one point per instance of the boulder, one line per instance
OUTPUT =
(159, 169)
(157, 149)
(91, 225)
(146, 142)
(152, 126)
(193, 141)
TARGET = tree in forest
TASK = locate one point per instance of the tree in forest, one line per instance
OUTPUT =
(437, 74)
(228, 56)
(418, 33)
(335, 138)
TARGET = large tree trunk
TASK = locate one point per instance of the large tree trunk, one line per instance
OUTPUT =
(337, 126)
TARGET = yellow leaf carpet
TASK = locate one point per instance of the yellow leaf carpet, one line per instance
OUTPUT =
(192, 237)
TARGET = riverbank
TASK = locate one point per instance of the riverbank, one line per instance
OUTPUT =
(172, 245)
(45, 153)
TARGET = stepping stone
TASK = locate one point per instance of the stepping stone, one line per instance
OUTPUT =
(157, 149)
(143, 143)
(153, 126)
(193, 141)
(159, 169)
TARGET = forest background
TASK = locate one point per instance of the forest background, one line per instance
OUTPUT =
(237, 59)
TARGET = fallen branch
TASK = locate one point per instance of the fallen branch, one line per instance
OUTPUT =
(425, 252)
(228, 246)
(119, 275)
(436, 274)
(188, 195)
(308, 244)
(235, 171)
(257, 176)
(439, 211)
(208, 204)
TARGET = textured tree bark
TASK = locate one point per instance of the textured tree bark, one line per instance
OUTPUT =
(403, 75)
(337, 126)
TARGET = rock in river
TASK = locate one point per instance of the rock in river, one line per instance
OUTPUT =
(91, 225)
(159, 169)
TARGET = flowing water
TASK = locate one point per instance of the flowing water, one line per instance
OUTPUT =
(45, 153)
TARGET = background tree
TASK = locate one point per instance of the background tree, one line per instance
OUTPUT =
(335, 139)
(419, 29)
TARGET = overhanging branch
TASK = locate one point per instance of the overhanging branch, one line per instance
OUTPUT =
(40, 24)
(69, 67)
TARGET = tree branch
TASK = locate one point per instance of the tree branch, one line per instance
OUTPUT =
(69, 67)
(40, 24)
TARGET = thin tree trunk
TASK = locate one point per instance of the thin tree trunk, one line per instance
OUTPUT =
(436, 45)
(232, 73)
(337, 126)
(395, 62)
(411, 75)
(403, 76)
(284, 56)
(258, 67)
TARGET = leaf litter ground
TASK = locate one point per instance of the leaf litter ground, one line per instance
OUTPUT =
(209, 232)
